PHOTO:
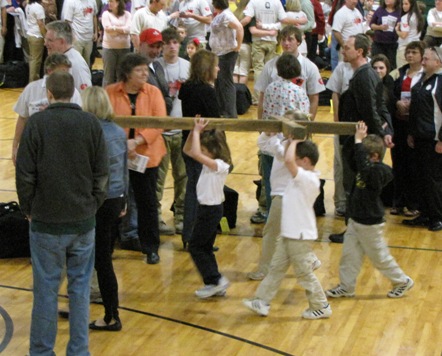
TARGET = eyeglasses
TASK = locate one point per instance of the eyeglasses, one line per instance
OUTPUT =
(436, 50)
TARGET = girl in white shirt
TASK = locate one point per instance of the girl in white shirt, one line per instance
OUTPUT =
(211, 150)
(408, 29)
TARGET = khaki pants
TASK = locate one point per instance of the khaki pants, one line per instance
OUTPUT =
(299, 254)
(361, 240)
(36, 49)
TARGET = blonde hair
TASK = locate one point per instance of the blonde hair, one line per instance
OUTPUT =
(293, 5)
(96, 101)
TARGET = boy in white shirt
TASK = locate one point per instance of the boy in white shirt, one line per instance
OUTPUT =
(298, 228)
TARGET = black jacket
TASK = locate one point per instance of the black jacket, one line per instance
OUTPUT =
(425, 95)
(364, 100)
(365, 203)
(62, 165)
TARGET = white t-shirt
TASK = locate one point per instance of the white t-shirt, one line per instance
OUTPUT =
(340, 78)
(275, 146)
(34, 12)
(222, 38)
(210, 186)
(194, 28)
(81, 13)
(34, 98)
(310, 79)
(144, 18)
(411, 28)
(298, 220)
(80, 70)
(176, 74)
(266, 11)
(136, 5)
(348, 22)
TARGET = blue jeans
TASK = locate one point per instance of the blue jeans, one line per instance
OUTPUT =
(50, 253)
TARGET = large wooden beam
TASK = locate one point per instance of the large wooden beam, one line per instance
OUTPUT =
(299, 129)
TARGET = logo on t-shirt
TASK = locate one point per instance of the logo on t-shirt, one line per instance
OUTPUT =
(88, 10)
(298, 81)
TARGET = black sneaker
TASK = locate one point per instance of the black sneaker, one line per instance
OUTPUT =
(419, 221)
(337, 238)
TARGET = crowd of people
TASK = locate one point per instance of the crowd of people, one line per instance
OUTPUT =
(181, 59)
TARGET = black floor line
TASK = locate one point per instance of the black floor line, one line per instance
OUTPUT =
(195, 326)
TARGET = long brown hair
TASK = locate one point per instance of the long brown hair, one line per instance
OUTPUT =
(216, 143)
(202, 67)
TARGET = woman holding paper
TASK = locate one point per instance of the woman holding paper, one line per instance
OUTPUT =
(133, 96)
(383, 24)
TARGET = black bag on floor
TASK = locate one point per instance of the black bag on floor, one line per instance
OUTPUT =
(243, 98)
(230, 205)
(14, 231)
(326, 95)
(14, 74)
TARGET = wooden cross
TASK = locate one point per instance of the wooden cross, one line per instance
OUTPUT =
(298, 129)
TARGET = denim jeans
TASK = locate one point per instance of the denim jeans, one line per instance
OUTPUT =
(50, 253)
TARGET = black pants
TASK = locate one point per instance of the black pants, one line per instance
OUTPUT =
(144, 187)
(404, 168)
(106, 219)
(388, 49)
(202, 241)
(429, 165)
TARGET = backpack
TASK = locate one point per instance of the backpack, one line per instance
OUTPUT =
(14, 231)
(243, 98)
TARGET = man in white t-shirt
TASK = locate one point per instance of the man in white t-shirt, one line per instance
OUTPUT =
(338, 83)
(263, 41)
(34, 97)
(58, 39)
(82, 15)
(348, 21)
(176, 72)
(195, 15)
(3, 4)
(151, 16)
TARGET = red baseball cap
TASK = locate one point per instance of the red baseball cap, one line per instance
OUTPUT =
(151, 36)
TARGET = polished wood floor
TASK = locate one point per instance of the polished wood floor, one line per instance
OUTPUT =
(161, 316)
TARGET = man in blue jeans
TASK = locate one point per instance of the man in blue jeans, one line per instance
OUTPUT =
(61, 178)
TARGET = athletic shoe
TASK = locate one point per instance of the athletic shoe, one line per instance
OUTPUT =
(316, 264)
(256, 276)
(399, 291)
(323, 313)
(165, 229)
(209, 290)
(257, 305)
(340, 212)
(258, 218)
(338, 292)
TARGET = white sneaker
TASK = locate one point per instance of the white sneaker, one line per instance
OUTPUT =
(256, 276)
(323, 313)
(210, 290)
(338, 292)
(257, 305)
(316, 264)
(399, 291)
